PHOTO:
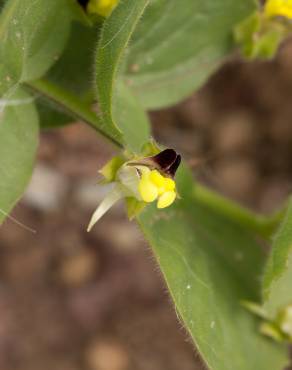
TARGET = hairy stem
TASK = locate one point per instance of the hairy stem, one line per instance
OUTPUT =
(264, 226)
(72, 105)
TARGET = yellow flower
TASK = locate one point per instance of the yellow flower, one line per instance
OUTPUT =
(154, 186)
(139, 181)
(101, 7)
(274, 8)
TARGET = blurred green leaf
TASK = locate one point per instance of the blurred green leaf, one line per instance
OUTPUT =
(50, 116)
(33, 35)
(210, 264)
(115, 35)
(178, 44)
(277, 287)
(18, 144)
(1, 3)
(73, 70)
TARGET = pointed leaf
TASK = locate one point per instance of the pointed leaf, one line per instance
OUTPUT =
(18, 144)
(116, 103)
(178, 44)
(32, 35)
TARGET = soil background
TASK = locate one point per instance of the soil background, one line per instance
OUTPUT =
(70, 300)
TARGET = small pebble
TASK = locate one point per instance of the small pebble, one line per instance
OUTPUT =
(107, 356)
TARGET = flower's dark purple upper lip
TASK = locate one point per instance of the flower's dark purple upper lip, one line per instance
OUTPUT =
(166, 162)
(83, 3)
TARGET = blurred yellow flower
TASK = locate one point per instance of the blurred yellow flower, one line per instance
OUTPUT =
(274, 8)
(154, 186)
(101, 7)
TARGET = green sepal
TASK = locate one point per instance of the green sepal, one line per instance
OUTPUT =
(150, 148)
(255, 308)
(284, 321)
(134, 207)
(259, 37)
(267, 45)
(271, 327)
(244, 33)
(110, 169)
(271, 330)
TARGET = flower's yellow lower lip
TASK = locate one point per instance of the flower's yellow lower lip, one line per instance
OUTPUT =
(274, 8)
(101, 7)
(153, 186)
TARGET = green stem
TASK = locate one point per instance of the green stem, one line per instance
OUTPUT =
(72, 105)
(264, 226)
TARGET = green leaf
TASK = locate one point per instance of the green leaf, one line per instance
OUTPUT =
(277, 287)
(131, 118)
(114, 39)
(211, 264)
(69, 103)
(33, 34)
(6, 82)
(18, 144)
(73, 72)
(178, 44)
(2, 4)
(50, 116)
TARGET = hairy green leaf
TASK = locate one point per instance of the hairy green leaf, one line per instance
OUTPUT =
(178, 44)
(33, 34)
(114, 39)
(18, 144)
(277, 287)
(210, 264)
(131, 118)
